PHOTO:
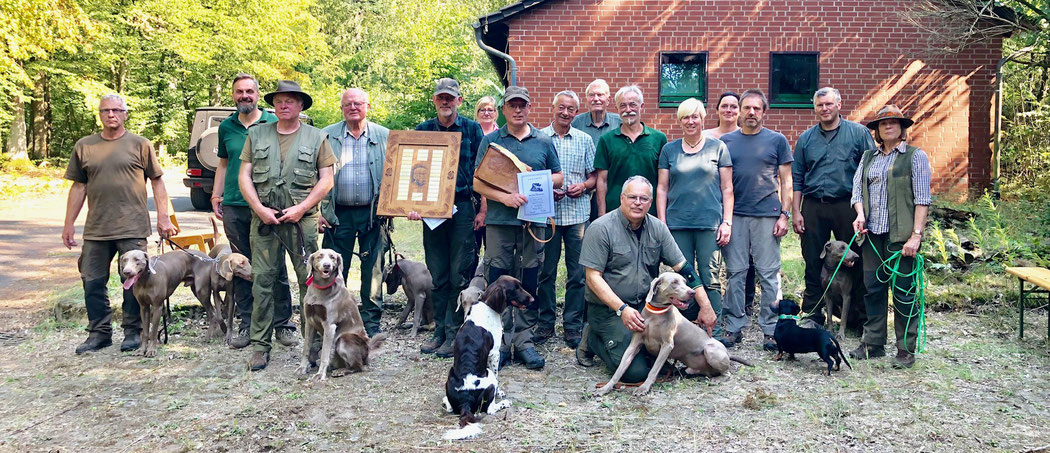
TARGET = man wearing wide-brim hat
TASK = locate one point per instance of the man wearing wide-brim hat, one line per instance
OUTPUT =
(286, 169)
(891, 194)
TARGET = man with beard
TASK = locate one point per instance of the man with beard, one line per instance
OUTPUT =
(230, 207)
(761, 171)
(576, 154)
(633, 149)
(826, 157)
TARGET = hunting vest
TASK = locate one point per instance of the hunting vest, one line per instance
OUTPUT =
(282, 184)
(900, 198)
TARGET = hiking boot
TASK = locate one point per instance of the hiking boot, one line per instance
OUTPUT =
(504, 359)
(94, 342)
(445, 351)
(241, 339)
(770, 344)
(867, 351)
(573, 338)
(132, 341)
(373, 331)
(731, 339)
(904, 359)
(584, 356)
(542, 334)
(431, 345)
(530, 358)
(259, 360)
(286, 337)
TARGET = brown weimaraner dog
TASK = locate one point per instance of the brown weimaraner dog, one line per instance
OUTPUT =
(415, 278)
(153, 279)
(669, 335)
(228, 265)
(842, 286)
(329, 308)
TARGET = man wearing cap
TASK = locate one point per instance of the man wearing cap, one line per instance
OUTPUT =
(508, 243)
(351, 213)
(230, 207)
(632, 149)
(286, 169)
(826, 157)
(450, 248)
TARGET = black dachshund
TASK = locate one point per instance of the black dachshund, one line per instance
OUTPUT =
(792, 339)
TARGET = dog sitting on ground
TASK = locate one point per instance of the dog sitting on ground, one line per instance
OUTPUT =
(154, 279)
(229, 265)
(329, 308)
(792, 339)
(415, 278)
(473, 380)
(669, 335)
(838, 294)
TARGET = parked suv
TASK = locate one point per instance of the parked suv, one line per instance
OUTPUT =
(203, 155)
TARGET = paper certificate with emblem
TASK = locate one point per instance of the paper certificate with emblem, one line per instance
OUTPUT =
(419, 174)
(538, 188)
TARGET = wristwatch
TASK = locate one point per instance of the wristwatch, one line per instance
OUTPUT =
(917, 232)
(727, 222)
(786, 214)
(619, 311)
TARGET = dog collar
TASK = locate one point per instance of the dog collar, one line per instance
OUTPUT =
(310, 282)
(656, 311)
(788, 317)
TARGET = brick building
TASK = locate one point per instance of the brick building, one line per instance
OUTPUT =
(676, 48)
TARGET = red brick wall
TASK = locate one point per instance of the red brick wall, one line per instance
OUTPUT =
(866, 51)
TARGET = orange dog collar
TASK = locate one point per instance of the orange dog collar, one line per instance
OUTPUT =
(656, 311)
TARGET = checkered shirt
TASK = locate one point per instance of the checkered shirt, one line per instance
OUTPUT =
(879, 215)
(576, 153)
(354, 179)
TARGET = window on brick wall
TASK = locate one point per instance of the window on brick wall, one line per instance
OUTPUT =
(683, 75)
(793, 78)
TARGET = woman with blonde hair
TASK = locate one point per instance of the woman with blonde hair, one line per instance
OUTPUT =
(485, 114)
(694, 197)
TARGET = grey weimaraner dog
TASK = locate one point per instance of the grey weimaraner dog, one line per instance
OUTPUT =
(669, 335)
(153, 279)
(842, 286)
(474, 290)
(331, 309)
(228, 266)
(418, 284)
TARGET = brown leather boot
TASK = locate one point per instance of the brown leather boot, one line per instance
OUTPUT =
(904, 359)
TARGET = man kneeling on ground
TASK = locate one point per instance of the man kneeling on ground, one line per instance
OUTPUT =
(622, 252)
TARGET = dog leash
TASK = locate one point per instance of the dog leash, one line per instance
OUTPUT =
(820, 303)
(266, 230)
(174, 246)
(917, 306)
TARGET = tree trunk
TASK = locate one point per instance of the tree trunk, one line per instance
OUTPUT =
(16, 137)
(40, 109)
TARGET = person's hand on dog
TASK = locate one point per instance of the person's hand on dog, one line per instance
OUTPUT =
(707, 317)
(632, 320)
(858, 225)
(912, 246)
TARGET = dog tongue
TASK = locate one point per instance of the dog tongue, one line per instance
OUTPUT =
(131, 281)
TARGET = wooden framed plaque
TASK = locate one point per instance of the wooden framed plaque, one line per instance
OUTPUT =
(419, 174)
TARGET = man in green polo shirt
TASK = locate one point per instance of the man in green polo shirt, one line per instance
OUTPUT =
(230, 207)
(622, 252)
(633, 149)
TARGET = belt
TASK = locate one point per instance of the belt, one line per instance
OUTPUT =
(828, 199)
(347, 206)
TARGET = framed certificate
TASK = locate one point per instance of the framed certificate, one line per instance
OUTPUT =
(419, 174)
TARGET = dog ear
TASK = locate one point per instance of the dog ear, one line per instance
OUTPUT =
(150, 262)
(226, 269)
(496, 296)
(652, 289)
(310, 264)
(824, 251)
(339, 259)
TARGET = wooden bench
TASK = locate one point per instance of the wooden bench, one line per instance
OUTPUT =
(1039, 280)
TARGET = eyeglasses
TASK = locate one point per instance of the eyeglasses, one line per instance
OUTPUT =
(109, 111)
(642, 199)
(486, 110)
(355, 105)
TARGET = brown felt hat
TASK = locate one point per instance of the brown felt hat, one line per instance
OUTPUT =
(890, 112)
(288, 86)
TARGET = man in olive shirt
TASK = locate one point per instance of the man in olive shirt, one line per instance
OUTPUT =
(230, 207)
(109, 170)
(826, 157)
(286, 169)
(508, 245)
(633, 149)
(622, 252)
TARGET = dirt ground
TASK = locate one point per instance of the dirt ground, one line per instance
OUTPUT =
(976, 389)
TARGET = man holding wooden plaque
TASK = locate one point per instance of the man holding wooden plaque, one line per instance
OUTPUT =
(508, 242)
(450, 247)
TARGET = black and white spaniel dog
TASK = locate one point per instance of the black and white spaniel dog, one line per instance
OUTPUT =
(473, 383)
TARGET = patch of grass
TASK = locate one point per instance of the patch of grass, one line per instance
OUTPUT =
(759, 399)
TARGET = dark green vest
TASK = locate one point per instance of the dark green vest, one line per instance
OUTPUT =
(282, 184)
(900, 198)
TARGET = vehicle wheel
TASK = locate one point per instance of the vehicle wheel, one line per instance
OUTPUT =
(200, 199)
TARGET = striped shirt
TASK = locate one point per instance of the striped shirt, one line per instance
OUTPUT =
(354, 180)
(576, 153)
(878, 172)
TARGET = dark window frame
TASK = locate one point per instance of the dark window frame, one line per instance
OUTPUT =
(702, 95)
(775, 99)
